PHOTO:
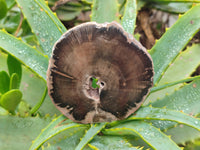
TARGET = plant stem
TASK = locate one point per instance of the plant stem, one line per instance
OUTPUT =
(37, 106)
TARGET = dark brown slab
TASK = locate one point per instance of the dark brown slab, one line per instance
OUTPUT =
(105, 52)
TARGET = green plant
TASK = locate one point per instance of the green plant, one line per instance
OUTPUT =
(10, 95)
(168, 117)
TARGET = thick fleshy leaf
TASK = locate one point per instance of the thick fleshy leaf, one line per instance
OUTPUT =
(183, 66)
(151, 113)
(172, 7)
(26, 54)
(32, 87)
(175, 1)
(94, 130)
(17, 133)
(129, 17)
(186, 99)
(14, 66)
(3, 8)
(46, 26)
(152, 136)
(11, 99)
(4, 82)
(100, 12)
(14, 81)
(111, 143)
(182, 134)
(63, 141)
(174, 40)
(54, 128)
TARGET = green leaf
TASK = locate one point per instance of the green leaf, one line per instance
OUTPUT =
(111, 143)
(129, 17)
(17, 133)
(10, 3)
(67, 15)
(166, 114)
(14, 66)
(186, 99)
(38, 105)
(28, 55)
(157, 88)
(3, 112)
(94, 83)
(172, 7)
(183, 66)
(100, 13)
(3, 9)
(54, 128)
(151, 135)
(4, 82)
(11, 21)
(174, 40)
(182, 134)
(65, 140)
(94, 130)
(23, 109)
(175, 1)
(14, 81)
(87, 1)
(11, 99)
(46, 26)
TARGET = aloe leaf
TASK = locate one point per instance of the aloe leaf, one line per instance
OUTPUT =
(175, 1)
(14, 66)
(11, 99)
(17, 133)
(4, 82)
(172, 7)
(184, 65)
(182, 134)
(100, 12)
(151, 135)
(94, 130)
(46, 26)
(40, 139)
(54, 128)
(157, 88)
(26, 54)
(129, 17)
(14, 81)
(166, 114)
(70, 141)
(186, 99)
(150, 113)
(111, 143)
(174, 40)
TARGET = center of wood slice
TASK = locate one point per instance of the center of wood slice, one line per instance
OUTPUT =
(92, 88)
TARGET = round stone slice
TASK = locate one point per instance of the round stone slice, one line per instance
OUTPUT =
(98, 73)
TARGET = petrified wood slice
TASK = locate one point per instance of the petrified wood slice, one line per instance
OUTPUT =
(121, 66)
